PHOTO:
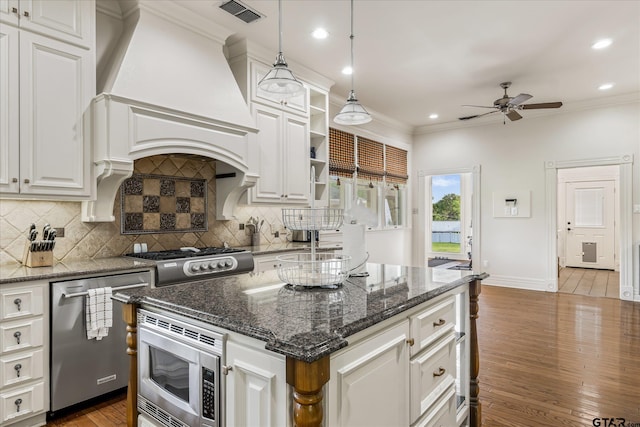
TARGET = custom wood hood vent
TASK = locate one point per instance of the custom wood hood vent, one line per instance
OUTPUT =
(167, 88)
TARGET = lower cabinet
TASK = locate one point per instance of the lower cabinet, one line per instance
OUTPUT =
(256, 393)
(24, 361)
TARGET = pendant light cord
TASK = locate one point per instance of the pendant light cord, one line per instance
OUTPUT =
(351, 38)
(280, 27)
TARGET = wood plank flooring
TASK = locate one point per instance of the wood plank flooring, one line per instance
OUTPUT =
(587, 281)
(546, 359)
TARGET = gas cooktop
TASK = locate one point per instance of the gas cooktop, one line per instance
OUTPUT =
(190, 264)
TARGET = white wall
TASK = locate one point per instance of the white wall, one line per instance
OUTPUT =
(512, 157)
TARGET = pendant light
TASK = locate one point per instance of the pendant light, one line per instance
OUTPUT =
(280, 81)
(352, 113)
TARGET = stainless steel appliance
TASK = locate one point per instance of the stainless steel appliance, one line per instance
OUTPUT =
(179, 382)
(304, 235)
(189, 264)
(82, 369)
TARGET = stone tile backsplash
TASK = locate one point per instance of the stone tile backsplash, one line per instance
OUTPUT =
(99, 240)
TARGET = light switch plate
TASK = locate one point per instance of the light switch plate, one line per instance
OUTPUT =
(636, 208)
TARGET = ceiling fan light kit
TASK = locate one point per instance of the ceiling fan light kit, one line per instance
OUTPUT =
(509, 106)
(352, 113)
(280, 80)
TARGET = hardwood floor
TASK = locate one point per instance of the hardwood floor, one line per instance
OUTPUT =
(587, 281)
(552, 359)
(546, 359)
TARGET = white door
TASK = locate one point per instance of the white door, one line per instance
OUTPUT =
(590, 208)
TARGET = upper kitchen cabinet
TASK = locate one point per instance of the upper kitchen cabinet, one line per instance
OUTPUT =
(46, 87)
(293, 133)
(67, 20)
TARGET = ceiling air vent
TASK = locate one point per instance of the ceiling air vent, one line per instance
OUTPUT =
(240, 11)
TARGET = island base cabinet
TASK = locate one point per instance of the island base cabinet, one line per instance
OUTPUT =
(21, 403)
(442, 413)
(256, 392)
(369, 383)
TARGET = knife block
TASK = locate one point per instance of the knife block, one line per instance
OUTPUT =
(37, 259)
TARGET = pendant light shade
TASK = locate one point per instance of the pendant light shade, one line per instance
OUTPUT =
(352, 113)
(280, 81)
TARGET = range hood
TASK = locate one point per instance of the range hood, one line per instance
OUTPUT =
(167, 89)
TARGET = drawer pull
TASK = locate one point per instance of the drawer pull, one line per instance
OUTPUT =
(440, 322)
(17, 336)
(18, 302)
(17, 367)
(18, 402)
(440, 372)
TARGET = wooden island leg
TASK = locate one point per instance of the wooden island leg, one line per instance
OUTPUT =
(475, 413)
(307, 380)
(129, 312)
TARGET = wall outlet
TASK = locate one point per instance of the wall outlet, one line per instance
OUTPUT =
(59, 232)
(276, 234)
(485, 263)
(240, 226)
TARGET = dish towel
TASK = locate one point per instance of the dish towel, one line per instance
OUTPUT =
(98, 313)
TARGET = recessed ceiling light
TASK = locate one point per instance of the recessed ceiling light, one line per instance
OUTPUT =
(433, 116)
(605, 86)
(601, 44)
(347, 70)
(320, 33)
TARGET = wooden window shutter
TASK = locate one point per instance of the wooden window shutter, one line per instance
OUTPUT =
(370, 159)
(342, 161)
(396, 165)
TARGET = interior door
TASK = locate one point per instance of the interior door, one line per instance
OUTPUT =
(590, 209)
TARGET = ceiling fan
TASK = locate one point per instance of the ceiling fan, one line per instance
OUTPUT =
(509, 106)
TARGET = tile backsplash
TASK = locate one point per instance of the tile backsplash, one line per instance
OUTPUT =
(97, 240)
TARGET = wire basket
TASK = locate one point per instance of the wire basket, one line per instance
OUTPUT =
(323, 270)
(312, 218)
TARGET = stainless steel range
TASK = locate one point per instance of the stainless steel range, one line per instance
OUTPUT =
(189, 264)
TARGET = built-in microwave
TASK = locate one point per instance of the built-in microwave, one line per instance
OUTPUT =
(179, 380)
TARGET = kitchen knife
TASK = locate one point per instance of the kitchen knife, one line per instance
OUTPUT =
(45, 232)
(52, 239)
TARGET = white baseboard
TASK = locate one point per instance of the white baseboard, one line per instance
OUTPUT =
(518, 283)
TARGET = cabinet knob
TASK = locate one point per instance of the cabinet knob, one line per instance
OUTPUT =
(14, 10)
(411, 342)
(18, 402)
(17, 367)
(18, 302)
(14, 179)
(226, 369)
(26, 14)
(27, 180)
(440, 372)
(17, 336)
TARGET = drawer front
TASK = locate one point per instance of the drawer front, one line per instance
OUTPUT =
(22, 402)
(21, 367)
(433, 323)
(16, 303)
(266, 264)
(21, 334)
(432, 373)
(443, 413)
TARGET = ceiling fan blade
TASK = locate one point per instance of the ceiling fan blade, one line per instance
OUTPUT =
(477, 115)
(513, 115)
(479, 106)
(520, 99)
(541, 105)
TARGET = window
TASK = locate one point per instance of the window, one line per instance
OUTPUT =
(445, 213)
(394, 205)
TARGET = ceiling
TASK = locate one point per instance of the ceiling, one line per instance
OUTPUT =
(418, 57)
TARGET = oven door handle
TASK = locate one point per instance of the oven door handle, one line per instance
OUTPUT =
(84, 294)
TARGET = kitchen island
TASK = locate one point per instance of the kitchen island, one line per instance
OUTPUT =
(313, 328)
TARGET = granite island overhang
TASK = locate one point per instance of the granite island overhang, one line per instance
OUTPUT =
(306, 325)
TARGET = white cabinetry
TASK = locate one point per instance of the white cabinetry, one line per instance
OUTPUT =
(45, 87)
(405, 374)
(282, 147)
(319, 143)
(256, 385)
(23, 353)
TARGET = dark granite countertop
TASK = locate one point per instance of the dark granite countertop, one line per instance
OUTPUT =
(307, 323)
(11, 273)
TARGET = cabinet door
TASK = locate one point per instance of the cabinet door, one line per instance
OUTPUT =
(370, 382)
(256, 388)
(9, 109)
(67, 20)
(298, 104)
(9, 10)
(297, 179)
(55, 91)
(270, 148)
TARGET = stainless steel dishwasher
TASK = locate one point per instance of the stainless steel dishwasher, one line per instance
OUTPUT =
(82, 369)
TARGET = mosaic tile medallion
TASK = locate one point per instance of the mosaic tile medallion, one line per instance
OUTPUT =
(163, 204)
